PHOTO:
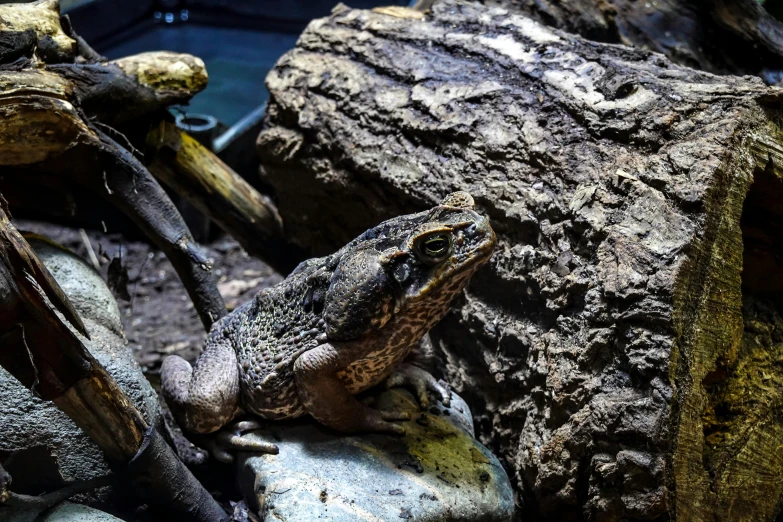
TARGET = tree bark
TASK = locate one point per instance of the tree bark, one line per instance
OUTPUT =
(613, 353)
(720, 36)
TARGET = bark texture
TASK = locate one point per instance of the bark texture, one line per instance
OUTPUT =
(606, 351)
(720, 36)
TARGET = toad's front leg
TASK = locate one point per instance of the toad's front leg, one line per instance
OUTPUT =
(421, 382)
(325, 397)
(411, 374)
(206, 398)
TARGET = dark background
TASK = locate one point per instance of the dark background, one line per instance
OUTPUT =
(239, 40)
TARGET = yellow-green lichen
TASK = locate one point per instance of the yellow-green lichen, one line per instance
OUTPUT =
(166, 72)
(42, 17)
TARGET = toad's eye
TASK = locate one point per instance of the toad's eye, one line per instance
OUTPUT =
(436, 247)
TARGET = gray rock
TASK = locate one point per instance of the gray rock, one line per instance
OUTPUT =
(67, 512)
(436, 472)
(35, 433)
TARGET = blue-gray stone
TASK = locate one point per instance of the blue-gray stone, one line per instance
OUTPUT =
(436, 472)
(64, 512)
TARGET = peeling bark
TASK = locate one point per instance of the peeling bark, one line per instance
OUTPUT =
(719, 36)
(606, 350)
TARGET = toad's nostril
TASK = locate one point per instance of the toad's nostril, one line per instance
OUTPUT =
(472, 228)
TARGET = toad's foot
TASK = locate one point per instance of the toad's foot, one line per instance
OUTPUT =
(375, 418)
(378, 421)
(235, 437)
(420, 382)
(325, 397)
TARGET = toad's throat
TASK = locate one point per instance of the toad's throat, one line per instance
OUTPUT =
(391, 344)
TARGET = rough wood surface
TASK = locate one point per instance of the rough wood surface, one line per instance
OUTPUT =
(609, 351)
(134, 86)
(194, 172)
(35, 29)
(720, 36)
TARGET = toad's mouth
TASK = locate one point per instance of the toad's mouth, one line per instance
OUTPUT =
(480, 239)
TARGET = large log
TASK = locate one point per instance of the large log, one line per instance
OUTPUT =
(720, 36)
(617, 352)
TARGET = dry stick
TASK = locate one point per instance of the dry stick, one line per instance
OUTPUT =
(90, 252)
(81, 387)
(132, 87)
(52, 128)
(133, 190)
(55, 137)
(20, 260)
(211, 186)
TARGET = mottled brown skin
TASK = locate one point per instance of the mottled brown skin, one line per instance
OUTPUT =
(334, 327)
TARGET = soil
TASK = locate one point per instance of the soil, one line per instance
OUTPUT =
(159, 318)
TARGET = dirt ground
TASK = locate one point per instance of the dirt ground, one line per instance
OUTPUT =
(159, 318)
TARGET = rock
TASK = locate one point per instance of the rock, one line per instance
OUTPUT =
(436, 472)
(44, 447)
(64, 512)
(67, 512)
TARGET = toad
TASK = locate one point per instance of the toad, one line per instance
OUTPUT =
(336, 326)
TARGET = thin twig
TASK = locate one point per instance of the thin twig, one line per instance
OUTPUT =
(90, 251)
(108, 190)
(138, 279)
(112, 131)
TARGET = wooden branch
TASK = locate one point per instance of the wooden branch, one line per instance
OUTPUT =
(616, 352)
(210, 185)
(37, 122)
(50, 119)
(37, 281)
(100, 409)
(45, 355)
(34, 29)
(133, 190)
(133, 87)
